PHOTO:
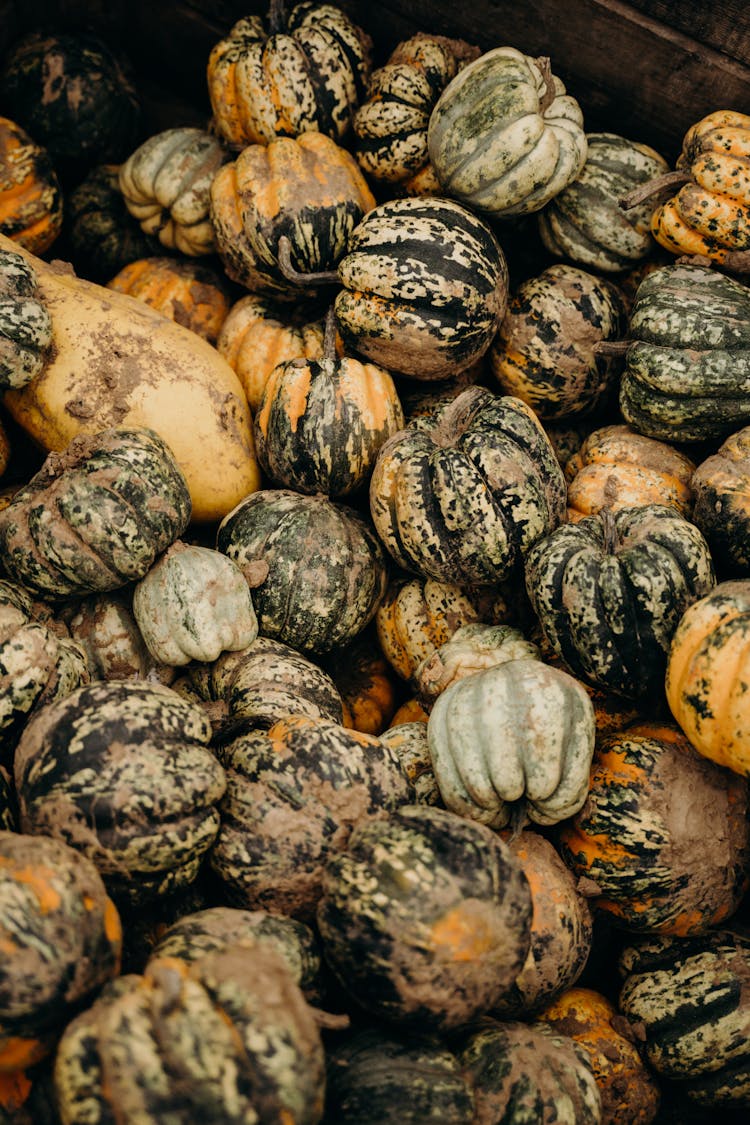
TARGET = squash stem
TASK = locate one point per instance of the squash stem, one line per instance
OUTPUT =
(737, 261)
(611, 538)
(611, 347)
(329, 336)
(653, 187)
(276, 17)
(324, 277)
(549, 95)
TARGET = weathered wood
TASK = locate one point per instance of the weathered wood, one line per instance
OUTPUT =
(724, 26)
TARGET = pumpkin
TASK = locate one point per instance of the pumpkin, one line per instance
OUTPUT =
(425, 286)
(193, 604)
(544, 351)
(230, 1033)
(69, 90)
(306, 194)
(504, 137)
(294, 794)
(118, 362)
(515, 740)
(520, 1073)
(390, 126)
(86, 521)
(411, 711)
(31, 201)
(25, 326)
(616, 467)
(102, 236)
(190, 294)
(462, 495)
(257, 335)
(408, 738)
(321, 422)
(629, 1093)
(425, 918)
(708, 670)
(377, 1075)
(585, 223)
(721, 484)
(632, 841)
(326, 570)
(686, 364)
(610, 590)
(121, 771)
(166, 182)
(307, 73)
(366, 682)
(688, 999)
(470, 649)
(61, 939)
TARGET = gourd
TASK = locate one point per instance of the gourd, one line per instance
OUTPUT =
(408, 738)
(166, 182)
(721, 484)
(504, 137)
(193, 604)
(469, 650)
(118, 362)
(631, 842)
(191, 294)
(367, 684)
(306, 73)
(610, 590)
(87, 520)
(104, 627)
(26, 331)
(708, 670)
(101, 235)
(511, 742)
(31, 201)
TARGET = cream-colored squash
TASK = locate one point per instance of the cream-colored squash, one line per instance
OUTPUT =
(118, 362)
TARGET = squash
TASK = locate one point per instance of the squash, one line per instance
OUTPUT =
(632, 841)
(708, 671)
(105, 629)
(26, 331)
(461, 496)
(408, 738)
(721, 484)
(470, 649)
(305, 194)
(585, 223)
(504, 137)
(610, 590)
(31, 200)
(307, 73)
(193, 295)
(367, 684)
(425, 287)
(545, 348)
(62, 940)
(118, 362)
(325, 573)
(193, 604)
(122, 772)
(425, 918)
(511, 742)
(87, 521)
(166, 182)
(102, 237)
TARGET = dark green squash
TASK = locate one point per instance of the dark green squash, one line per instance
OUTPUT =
(101, 234)
(721, 484)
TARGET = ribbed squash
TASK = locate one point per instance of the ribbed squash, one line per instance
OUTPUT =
(31, 201)
(470, 649)
(649, 794)
(686, 369)
(708, 675)
(166, 183)
(610, 590)
(425, 287)
(193, 295)
(461, 495)
(103, 626)
(102, 236)
(306, 190)
(505, 137)
(306, 73)
(721, 484)
(585, 223)
(544, 349)
(425, 918)
(408, 738)
(25, 324)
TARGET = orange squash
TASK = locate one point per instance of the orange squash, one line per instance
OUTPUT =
(31, 201)
(190, 294)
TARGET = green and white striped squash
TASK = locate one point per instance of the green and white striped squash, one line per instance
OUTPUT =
(425, 287)
(585, 223)
(25, 324)
(504, 137)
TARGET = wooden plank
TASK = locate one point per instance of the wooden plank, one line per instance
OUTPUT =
(724, 26)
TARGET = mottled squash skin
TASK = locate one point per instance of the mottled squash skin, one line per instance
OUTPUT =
(195, 296)
(407, 736)
(31, 200)
(721, 484)
(26, 333)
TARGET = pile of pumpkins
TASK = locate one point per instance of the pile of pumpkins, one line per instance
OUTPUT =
(374, 594)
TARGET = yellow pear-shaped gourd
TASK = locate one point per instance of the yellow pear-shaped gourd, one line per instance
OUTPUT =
(117, 362)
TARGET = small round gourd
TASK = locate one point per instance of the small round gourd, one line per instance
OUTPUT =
(470, 649)
(31, 201)
(189, 293)
(101, 234)
(408, 738)
(194, 604)
(25, 324)
(721, 484)
(105, 628)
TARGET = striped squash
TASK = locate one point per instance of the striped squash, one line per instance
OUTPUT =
(31, 201)
(189, 293)
(102, 236)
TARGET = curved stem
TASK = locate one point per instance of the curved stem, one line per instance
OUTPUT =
(276, 17)
(611, 538)
(518, 819)
(653, 187)
(324, 277)
(549, 95)
(737, 261)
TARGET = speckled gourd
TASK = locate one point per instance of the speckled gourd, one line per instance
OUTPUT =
(101, 234)
(186, 290)
(25, 325)
(470, 649)
(721, 484)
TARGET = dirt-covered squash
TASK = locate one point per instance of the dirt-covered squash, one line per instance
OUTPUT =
(101, 235)
(425, 918)
(461, 495)
(470, 649)
(117, 362)
(31, 199)
(305, 72)
(721, 484)
(193, 295)
(425, 286)
(26, 331)
(505, 137)
(634, 843)
(104, 627)
(408, 738)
